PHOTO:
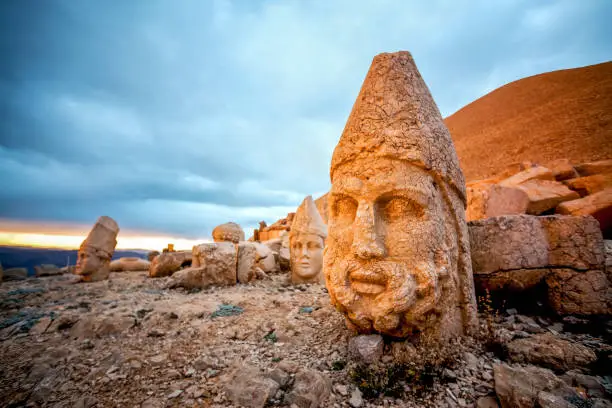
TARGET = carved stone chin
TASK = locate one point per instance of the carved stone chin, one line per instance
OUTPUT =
(397, 257)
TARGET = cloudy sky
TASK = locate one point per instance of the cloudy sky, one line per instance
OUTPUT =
(175, 116)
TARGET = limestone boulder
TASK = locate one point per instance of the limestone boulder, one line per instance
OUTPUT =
(129, 264)
(486, 200)
(366, 348)
(310, 389)
(589, 184)
(14, 274)
(228, 232)
(545, 195)
(167, 263)
(47, 270)
(247, 255)
(526, 387)
(273, 244)
(549, 351)
(579, 293)
(599, 205)
(531, 173)
(562, 169)
(265, 258)
(248, 387)
(598, 167)
(152, 255)
(215, 264)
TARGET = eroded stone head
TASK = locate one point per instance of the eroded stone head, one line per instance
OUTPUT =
(96, 251)
(397, 255)
(306, 242)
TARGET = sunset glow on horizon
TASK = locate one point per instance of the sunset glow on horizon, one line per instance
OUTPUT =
(70, 236)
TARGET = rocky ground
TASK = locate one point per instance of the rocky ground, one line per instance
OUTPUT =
(130, 342)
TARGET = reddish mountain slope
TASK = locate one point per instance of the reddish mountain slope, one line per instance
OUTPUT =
(559, 114)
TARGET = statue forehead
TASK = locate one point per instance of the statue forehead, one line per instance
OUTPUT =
(305, 237)
(384, 174)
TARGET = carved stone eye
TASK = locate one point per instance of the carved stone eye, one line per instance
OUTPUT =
(344, 210)
(395, 208)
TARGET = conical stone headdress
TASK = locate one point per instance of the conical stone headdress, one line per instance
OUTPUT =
(308, 220)
(395, 116)
(103, 235)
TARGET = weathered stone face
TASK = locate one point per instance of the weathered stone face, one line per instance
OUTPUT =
(306, 242)
(390, 253)
(306, 256)
(96, 251)
(396, 253)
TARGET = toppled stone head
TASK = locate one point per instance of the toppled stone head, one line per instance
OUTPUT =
(397, 255)
(306, 242)
(96, 251)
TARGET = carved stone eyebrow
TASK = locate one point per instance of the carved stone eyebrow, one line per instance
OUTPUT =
(419, 196)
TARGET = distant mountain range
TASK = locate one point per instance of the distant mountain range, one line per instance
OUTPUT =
(29, 257)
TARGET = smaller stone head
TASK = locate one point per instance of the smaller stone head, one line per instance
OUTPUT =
(306, 243)
(97, 249)
(228, 232)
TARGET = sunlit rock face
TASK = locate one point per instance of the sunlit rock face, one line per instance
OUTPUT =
(306, 242)
(95, 253)
(397, 257)
(228, 232)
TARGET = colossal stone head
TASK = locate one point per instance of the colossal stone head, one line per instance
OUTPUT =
(397, 255)
(96, 251)
(306, 242)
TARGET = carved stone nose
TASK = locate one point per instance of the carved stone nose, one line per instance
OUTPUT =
(366, 244)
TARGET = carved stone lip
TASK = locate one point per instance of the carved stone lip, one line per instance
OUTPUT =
(367, 282)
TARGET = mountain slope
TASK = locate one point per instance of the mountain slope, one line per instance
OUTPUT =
(559, 114)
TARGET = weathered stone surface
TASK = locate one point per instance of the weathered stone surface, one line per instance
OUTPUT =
(91, 326)
(545, 195)
(152, 255)
(516, 242)
(487, 402)
(166, 263)
(14, 274)
(274, 244)
(96, 251)
(562, 169)
(306, 240)
(548, 351)
(397, 257)
(310, 389)
(366, 348)
(128, 264)
(47, 270)
(520, 387)
(598, 167)
(322, 207)
(265, 258)
(248, 387)
(486, 200)
(230, 232)
(599, 205)
(245, 270)
(216, 265)
(531, 173)
(590, 184)
(581, 293)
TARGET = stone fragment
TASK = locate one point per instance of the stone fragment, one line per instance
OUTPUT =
(91, 326)
(590, 184)
(562, 169)
(247, 253)
(545, 195)
(490, 200)
(152, 255)
(598, 167)
(599, 205)
(487, 402)
(356, 400)
(306, 241)
(228, 232)
(47, 270)
(548, 351)
(265, 258)
(167, 263)
(216, 266)
(129, 264)
(247, 387)
(284, 259)
(14, 274)
(274, 244)
(96, 251)
(580, 292)
(531, 173)
(397, 257)
(366, 348)
(310, 389)
(519, 387)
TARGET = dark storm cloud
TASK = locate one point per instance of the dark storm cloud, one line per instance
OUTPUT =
(176, 116)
